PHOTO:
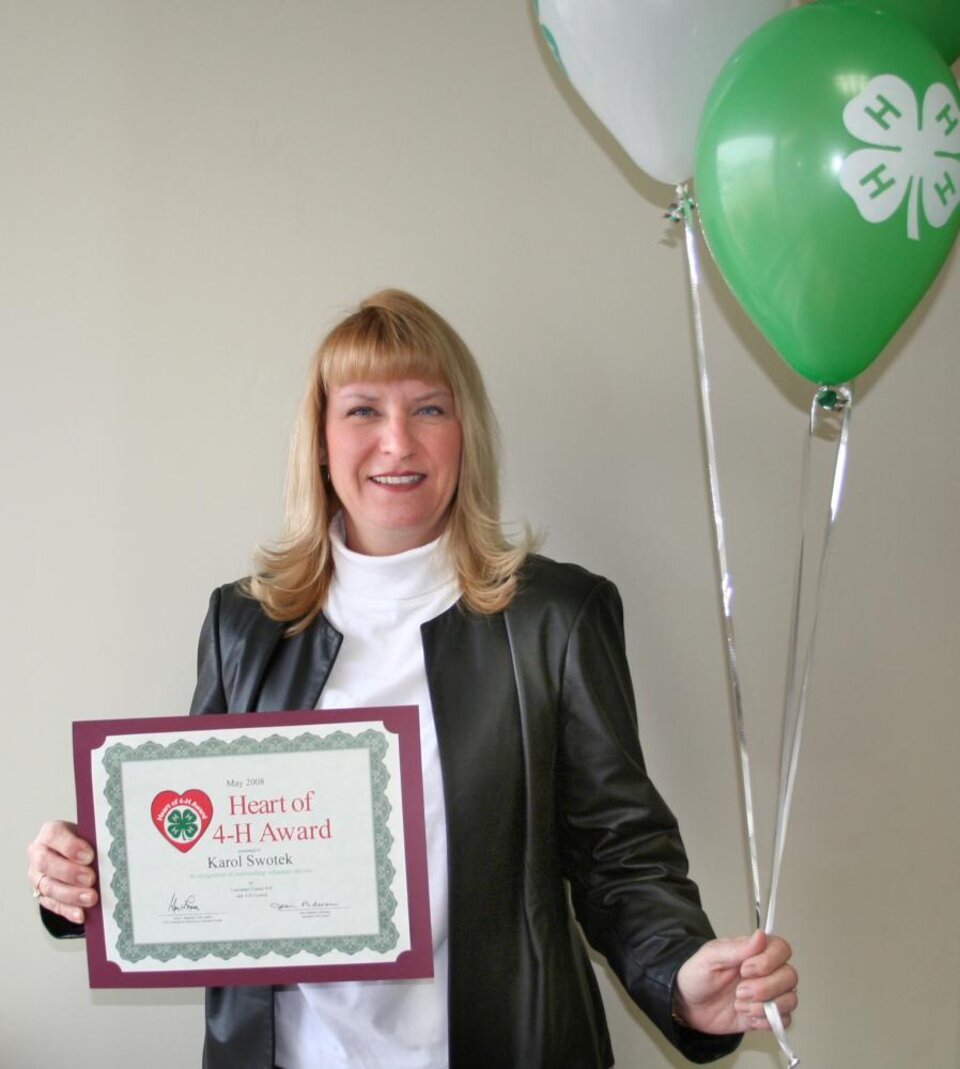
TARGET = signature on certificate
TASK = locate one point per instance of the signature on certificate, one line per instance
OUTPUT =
(186, 905)
(284, 907)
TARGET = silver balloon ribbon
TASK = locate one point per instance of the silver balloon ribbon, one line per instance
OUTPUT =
(837, 399)
(684, 210)
(803, 629)
(806, 608)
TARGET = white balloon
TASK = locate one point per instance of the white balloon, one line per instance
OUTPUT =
(645, 67)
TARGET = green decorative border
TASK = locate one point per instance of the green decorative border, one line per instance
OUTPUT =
(381, 941)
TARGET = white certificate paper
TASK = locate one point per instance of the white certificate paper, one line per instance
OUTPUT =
(262, 848)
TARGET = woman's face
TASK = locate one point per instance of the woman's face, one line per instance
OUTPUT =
(393, 451)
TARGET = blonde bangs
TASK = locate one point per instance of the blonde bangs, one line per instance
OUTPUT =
(372, 347)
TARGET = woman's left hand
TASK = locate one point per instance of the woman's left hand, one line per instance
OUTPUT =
(722, 988)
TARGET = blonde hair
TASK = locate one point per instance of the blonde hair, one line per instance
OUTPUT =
(392, 335)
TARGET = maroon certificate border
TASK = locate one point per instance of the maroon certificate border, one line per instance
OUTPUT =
(401, 720)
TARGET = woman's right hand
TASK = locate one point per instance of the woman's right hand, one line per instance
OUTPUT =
(60, 869)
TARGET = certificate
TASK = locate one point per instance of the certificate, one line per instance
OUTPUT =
(262, 848)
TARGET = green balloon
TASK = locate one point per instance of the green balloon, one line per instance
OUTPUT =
(937, 19)
(828, 180)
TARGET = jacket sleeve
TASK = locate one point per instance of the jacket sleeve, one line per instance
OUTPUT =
(623, 855)
(59, 927)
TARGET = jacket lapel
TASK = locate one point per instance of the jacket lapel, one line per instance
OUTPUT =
(297, 668)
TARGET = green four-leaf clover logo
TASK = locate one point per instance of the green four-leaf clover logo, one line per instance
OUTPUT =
(913, 153)
(182, 824)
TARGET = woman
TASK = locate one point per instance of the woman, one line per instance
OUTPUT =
(394, 584)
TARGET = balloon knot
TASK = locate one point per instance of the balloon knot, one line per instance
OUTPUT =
(678, 208)
(834, 398)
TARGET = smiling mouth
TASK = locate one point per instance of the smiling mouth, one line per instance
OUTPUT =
(397, 480)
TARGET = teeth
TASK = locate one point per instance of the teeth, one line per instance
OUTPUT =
(397, 480)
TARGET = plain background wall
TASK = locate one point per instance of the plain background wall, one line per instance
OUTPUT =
(192, 193)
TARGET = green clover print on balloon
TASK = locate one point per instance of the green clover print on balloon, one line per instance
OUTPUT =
(182, 824)
(911, 154)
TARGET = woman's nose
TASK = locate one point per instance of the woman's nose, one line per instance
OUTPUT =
(398, 439)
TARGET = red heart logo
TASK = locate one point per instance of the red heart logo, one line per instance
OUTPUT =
(182, 817)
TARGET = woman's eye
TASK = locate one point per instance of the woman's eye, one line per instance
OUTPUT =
(430, 410)
(361, 410)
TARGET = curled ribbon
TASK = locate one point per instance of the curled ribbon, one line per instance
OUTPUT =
(828, 399)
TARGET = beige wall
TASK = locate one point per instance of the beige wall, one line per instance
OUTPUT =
(191, 193)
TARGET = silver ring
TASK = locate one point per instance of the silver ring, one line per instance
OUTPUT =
(36, 886)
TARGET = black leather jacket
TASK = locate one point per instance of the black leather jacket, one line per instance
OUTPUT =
(544, 786)
(544, 783)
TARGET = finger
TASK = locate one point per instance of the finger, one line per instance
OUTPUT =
(775, 953)
(765, 988)
(66, 894)
(70, 913)
(761, 1024)
(61, 837)
(735, 951)
(44, 862)
(69, 902)
(785, 1003)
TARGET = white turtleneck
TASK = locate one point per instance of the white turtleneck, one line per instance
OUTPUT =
(378, 605)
